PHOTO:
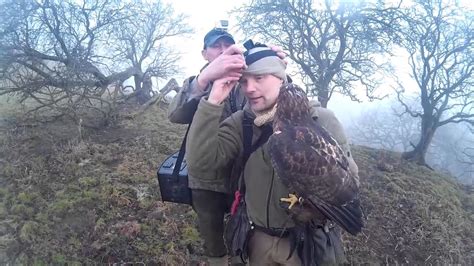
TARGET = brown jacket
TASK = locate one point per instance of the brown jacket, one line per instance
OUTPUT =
(215, 146)
(182, 109)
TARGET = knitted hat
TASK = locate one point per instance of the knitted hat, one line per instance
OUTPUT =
(260, 60)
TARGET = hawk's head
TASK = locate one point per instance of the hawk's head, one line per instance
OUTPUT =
(292, 107)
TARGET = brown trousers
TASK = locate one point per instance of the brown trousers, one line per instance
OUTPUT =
(271, 250)
(268, 250)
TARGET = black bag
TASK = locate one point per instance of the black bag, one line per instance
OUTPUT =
(174, 187)
(237, 232)
(173, 172)
(173, 177)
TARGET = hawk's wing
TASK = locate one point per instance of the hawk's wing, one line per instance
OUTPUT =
(309, 164)
(316, 169)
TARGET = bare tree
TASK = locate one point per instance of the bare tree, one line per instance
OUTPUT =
(467, 160)
(58, 53)
(439, 38)
(49, 54)
(385, 128)
(334, 47)
(452, 151)
(139, 43)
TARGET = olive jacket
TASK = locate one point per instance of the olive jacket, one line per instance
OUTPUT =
(214, 146)
(182, 109)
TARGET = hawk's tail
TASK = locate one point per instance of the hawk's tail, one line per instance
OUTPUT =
(348, 216)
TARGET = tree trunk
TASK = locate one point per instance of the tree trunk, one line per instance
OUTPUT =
(323, 98)
(419, 152)
(142, 88)
(323, 93)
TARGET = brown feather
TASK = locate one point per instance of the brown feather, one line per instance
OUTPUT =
(308, 160)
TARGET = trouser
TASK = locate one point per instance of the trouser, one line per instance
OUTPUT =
(265, 249)
(210, 207)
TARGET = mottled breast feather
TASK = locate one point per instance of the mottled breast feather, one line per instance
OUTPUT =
(310, 162)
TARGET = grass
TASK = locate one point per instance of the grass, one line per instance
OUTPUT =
(414, 215)
(95, 199)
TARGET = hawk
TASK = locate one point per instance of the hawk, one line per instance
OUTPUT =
(312, 165)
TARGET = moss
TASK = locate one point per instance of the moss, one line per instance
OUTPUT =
(189, 235)
(29, 198)
(9, 171)
(146, 203)
(22, 210)
(88, 182)
(74, 243)
(3, 212)
(169, 246)
(143, 179)
(88, 199)
(9, 200)
(74, 203)
(61, 207)
(3, 193)
(467, 201)
(59, 259)
(30, 232)
(416, 213)
(393, 187)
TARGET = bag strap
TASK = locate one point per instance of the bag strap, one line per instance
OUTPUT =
(247, 127)
(182, 151)
(233, 101)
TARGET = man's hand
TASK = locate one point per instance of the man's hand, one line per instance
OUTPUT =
(279, 52)
(228, 64)
(221, 89)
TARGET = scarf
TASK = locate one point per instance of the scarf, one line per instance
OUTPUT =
(265, 116)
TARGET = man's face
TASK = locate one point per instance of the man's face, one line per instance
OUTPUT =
(261, 90)
(217, 48)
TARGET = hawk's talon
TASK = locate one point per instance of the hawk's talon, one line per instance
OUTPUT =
(292, 199)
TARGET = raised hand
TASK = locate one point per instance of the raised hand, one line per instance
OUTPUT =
(221, 89)
(279, 51)
(230, 63)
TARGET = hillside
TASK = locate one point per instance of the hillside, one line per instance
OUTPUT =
(96, 200)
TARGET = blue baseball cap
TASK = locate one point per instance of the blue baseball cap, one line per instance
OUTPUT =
(216, 34)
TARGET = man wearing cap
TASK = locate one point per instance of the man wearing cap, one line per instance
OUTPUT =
(221, 62)
(211, 193)
(212, 145)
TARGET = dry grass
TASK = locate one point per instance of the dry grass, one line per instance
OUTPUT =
(96, 200)
(414, 215)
